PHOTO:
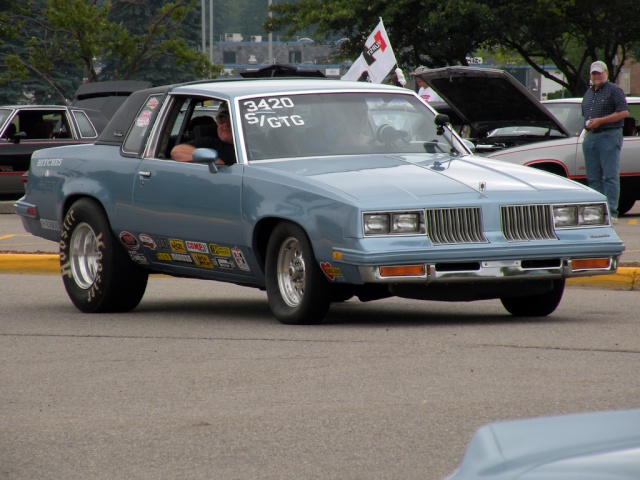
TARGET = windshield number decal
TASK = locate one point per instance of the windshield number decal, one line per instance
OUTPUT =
(256, 113)
(269, 104)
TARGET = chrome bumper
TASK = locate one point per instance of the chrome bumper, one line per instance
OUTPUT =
(492, 270)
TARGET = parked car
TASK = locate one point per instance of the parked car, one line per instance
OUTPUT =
(27, 128)
(505, 121)
(594, 445)
(319, 206)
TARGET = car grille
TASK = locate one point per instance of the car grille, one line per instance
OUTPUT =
(523, 223)
(455, 225)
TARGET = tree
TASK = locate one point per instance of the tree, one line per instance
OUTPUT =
(103, 39)
(568, 33)
(422, 32)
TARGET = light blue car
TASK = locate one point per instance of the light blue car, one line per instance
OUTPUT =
(585, 446)
(329, 190)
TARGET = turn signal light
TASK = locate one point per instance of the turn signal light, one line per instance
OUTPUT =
(587, 263)
(402, 271)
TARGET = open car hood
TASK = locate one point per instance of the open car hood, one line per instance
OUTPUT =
(487, 99)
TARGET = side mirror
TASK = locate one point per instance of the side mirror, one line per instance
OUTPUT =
(441, 121)
(208, 156)
(19, 136)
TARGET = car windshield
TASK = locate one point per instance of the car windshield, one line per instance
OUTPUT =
(324, 124)
(569, 114)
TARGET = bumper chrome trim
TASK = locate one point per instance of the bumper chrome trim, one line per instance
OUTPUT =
(490, 271)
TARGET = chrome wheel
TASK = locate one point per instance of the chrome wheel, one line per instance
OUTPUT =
(84, 255)
(297, 289)
(291, 272)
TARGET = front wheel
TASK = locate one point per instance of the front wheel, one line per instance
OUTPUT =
(535, 305)
(97, 273)
(297, 291)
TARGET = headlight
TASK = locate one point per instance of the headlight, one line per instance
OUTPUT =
(376, 223)
(393, 223)
(566, 216)
(406, 223)
(591, 214)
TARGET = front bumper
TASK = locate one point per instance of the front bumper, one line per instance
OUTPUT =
(503, 270)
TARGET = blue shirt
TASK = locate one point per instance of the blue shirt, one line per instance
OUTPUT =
(609, 98)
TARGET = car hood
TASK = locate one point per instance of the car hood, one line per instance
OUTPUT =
(487, 99)
(408, 177)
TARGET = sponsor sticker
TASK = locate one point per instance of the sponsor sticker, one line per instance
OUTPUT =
(138, 258)
(129, 240)
(163, 256)
(177, 245)
(152, 103)
(147, 241)
(219, 251)
(181, 257)
(225, 263)
(162, 243)
(238, 256)
(202, 260)
(197, 247)
(330, 271)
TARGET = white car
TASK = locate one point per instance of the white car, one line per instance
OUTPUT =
(506, 122)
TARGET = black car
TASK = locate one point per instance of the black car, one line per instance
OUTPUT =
(27, 128)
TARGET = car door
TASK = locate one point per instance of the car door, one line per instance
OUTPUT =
(188, 218)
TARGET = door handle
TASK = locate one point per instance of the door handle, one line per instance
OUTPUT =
(145, 174)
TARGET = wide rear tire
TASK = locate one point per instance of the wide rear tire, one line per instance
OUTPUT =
(97, 273)
(535, 305)
(297, 290)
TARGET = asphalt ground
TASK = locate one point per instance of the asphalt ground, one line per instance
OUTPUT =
(22, 253)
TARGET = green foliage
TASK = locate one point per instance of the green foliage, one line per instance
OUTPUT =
(50, 45)
(567, 33)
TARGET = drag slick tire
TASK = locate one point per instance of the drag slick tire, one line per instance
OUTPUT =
(297, 290)
(96, 270)
(535, 305)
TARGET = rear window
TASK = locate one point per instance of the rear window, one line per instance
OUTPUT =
(138, 132)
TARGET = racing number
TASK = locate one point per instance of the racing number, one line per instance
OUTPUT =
(270, 104)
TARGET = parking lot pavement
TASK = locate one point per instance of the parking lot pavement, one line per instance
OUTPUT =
(23, 253)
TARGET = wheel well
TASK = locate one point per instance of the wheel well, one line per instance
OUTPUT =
(551, 168)
(261, 235)
(72, 199)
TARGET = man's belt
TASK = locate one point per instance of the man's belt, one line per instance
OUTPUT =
(598, 130)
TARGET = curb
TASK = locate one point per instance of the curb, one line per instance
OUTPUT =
(626, 278)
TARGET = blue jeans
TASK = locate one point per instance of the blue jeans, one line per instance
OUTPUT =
(602, 161)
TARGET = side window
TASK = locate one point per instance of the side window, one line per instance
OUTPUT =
(39, 124)
(84, 124)
(188, 119)
(138, 131)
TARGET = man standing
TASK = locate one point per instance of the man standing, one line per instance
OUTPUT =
(604, 108)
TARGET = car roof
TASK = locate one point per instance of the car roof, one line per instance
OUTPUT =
(228, 89)
(267, 86)
(488, 99)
